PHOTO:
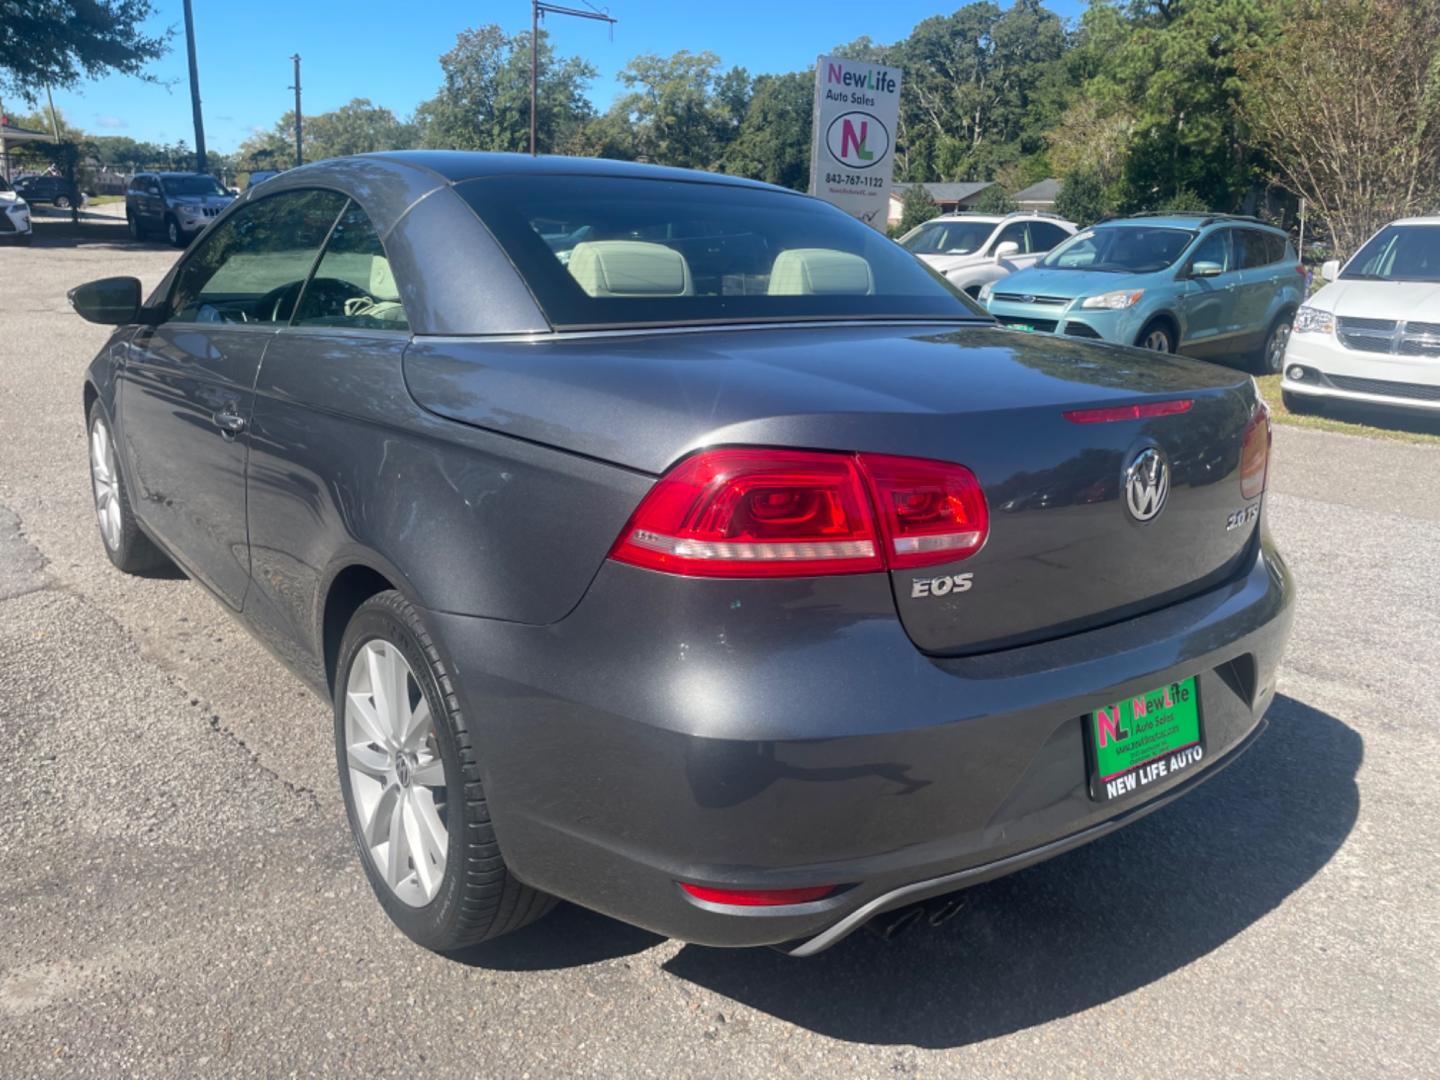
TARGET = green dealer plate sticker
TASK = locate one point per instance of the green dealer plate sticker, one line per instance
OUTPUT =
(1142, 741)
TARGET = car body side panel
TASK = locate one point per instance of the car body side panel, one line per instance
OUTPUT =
(187, 476)
(346, 468)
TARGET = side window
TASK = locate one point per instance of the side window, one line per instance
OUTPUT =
(251, 268)
(1215, 248)
(1044, 236)
(1253, 249)
(353, 285)
(1278, 248)
(1014, 233)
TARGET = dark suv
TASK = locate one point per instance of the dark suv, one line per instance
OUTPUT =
(178, 205)
(55, 190)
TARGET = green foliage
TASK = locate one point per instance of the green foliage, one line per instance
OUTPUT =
(1084, 199)
(484, 100)
(1183, 201)
(773, 140)
(59, 42)
(994, 200)
(681, 110)
(916, 208)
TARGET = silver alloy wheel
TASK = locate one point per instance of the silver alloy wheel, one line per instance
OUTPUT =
(172, 232)
(1158, 340)
(106, 480)
(1275, 349)
(397, 780)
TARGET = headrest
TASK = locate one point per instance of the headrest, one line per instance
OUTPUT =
(382, 280)
(630, 268)
(820, 272)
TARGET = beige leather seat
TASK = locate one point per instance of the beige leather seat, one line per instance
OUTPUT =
(820, 272)
(630, 268)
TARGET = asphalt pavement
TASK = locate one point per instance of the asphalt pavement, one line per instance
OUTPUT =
(179, 896)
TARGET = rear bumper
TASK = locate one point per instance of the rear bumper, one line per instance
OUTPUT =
(673, 730)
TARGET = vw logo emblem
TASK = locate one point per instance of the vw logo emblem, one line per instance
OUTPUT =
(1147, 485)
(1028, 299)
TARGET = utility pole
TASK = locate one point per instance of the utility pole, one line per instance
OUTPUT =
(299, 146)
(195, 90)
(537, 9)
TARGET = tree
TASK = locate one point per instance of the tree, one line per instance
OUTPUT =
(1170, 69)
(916, 208)
(1083, 199)
(59, 42)
(484, 101)
(773, 142)
(994, 200)
(1348, 104)
(682, 113)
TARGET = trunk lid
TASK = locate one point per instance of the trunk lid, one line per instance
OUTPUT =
(1063, 552)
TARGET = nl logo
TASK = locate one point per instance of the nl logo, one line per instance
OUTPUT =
(857, 139)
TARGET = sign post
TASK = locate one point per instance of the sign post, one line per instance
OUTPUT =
(857, 107)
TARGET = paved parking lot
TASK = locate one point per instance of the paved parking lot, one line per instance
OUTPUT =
(178, 895)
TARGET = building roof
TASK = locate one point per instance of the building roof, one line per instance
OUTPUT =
(1045, 191)
(950, 192)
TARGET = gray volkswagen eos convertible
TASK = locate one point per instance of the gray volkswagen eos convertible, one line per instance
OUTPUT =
(676, 545)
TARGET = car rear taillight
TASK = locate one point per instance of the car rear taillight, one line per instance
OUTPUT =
(930, 511)
(1255, 452)
(757, 897)
(744, 512)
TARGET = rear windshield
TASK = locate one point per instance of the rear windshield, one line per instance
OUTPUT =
(603, 252)
(947, 237)
(1120, 249)
(1398, 253)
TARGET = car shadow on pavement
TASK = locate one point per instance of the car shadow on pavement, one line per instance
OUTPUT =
(1087, 927)
(568, 937)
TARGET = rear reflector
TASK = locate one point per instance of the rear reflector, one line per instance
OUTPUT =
(1129, 412)
(757, 897)
(1255, 453)
(797, 513)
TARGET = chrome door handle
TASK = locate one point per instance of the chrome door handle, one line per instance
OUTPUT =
(229, 423)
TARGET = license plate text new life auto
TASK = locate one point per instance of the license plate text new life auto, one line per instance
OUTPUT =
(1143, 740)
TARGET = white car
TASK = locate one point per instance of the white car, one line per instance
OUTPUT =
(14, 216)
(1373, 334)
(972, 250)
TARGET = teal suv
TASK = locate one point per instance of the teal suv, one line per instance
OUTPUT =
(1208, 285)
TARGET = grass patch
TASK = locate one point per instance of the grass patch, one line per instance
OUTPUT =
(1354, 419)
(104, 200)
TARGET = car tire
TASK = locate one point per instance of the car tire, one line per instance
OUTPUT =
(137, 230)
(173, 232)
(1271, 358)
(410, 775)
(62, 202)
(1158, 336)
(125, 543)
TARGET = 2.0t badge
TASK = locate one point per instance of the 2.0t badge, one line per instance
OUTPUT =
(1147, 485)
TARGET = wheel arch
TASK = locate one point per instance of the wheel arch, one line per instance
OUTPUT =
(350, 584)
(1166, 316)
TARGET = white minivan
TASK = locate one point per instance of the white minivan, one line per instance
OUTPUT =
(1372, 334)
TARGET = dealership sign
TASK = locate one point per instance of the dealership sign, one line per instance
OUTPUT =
(851, 152)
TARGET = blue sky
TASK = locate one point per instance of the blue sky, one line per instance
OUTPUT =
(389, 53)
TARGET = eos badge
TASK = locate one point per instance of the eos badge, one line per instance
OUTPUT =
(940, 586)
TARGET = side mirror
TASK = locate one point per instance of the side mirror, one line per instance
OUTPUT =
(1330, 271)
(1206, 269)
(110, 301)
(1005, 250)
